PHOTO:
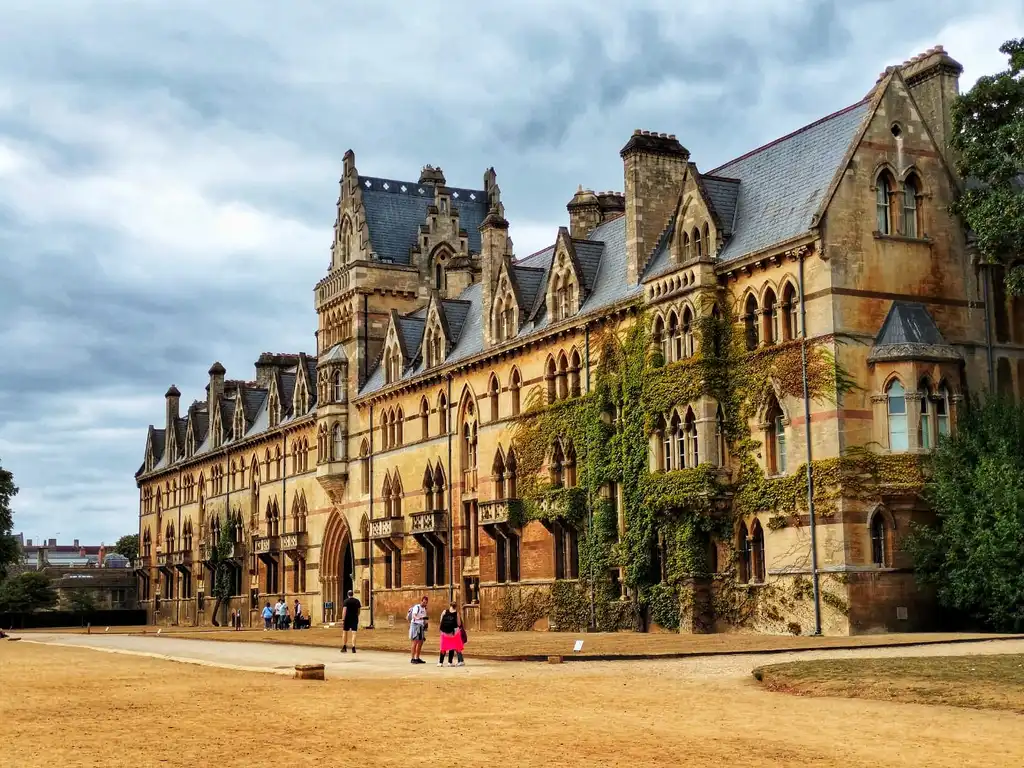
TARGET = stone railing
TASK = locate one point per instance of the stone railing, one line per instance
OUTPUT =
(429, 522)
(183, 558)
(263, 545)
(162, 559)
(387, 527)
(493, 512)
(293, 541)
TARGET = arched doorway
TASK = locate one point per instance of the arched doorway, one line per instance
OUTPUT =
(337, 565)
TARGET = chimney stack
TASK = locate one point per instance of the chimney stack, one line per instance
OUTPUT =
(76, 542)
(654, 165)
(215, 388)
(584, 213)
(934, 80)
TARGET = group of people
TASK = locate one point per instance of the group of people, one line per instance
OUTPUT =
(453, 634)
(279, 617)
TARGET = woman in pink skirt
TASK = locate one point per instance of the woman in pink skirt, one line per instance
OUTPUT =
(451, 636)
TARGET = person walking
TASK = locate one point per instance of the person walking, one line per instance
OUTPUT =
(297, 615)
(350, 620)
(282, 613)
(451, 636)
(418, 629)
(268, 616)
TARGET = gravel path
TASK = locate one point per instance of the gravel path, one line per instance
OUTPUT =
(281, 659)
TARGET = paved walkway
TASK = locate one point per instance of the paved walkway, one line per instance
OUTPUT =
(257, 657)
(281, 658)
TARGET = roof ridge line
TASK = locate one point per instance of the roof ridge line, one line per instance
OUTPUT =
(789, 135)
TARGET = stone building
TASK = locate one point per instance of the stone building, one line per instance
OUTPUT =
(614, 430)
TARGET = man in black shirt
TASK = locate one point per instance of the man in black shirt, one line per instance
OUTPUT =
(349, 620)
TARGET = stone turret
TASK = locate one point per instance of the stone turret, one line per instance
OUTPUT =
(584, 212)
(432, 175)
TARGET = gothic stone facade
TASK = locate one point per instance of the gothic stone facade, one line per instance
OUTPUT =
(385, 463)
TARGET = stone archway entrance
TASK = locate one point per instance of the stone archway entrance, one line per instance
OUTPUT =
(337, 565)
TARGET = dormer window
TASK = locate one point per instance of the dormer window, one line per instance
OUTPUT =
(392, 365)
(504, 313)
(338, 387)
(434, 345)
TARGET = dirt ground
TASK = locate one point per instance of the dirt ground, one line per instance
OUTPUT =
(989, 682)
(536, 645)
(71, 706)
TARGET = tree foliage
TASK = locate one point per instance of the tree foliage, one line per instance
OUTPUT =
(220, 561)
(128, 546)
(27, 592)
(973, 555)
(988, 135)
(8, 546)
(81, 601)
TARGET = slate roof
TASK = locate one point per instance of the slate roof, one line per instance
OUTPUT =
(410, 335)
(455, 313)
(782, 184)
(529, 281)
(588, 254)
(722, 194)
(909, 332)
(605, 255)
(396, 209)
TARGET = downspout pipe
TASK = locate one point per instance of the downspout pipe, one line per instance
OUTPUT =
(369, 543)
(810, 473)
(284, 514)
(590, 501)
(451, 511)
(986, 277)
(178, 575)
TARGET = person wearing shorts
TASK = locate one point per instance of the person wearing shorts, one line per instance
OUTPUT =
(350, 620)
(418, 629)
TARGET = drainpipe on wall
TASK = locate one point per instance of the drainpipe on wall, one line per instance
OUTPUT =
(590, 501)
(284, 513)
(177, 575)
(369, 539)
(810, 474)
(985, 275)
(366, 353)
(451, 512)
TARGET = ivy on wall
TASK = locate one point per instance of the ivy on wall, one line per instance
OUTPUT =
(671, 519)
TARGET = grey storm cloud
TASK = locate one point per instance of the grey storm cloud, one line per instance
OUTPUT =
(168, 173)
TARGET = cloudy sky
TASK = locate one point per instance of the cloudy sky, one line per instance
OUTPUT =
(168, 170)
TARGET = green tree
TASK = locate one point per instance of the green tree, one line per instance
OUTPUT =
(988, 135)
(128, 546)
(81, 601)
(220, 560)
(972, 556)
(8, 546)
(27, 592)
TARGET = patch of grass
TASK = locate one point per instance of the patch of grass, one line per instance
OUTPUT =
(978, 682)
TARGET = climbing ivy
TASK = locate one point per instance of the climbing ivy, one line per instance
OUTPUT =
(672, 518)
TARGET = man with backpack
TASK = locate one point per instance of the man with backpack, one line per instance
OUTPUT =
(417, 617)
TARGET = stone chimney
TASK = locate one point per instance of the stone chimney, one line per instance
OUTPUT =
(612, 204)
(432, 175)
(934, 80)
(654, 166)
(584, 213)
(173, 398)
(52, 543)
(76, 542)
(494, 250)
(215, 388)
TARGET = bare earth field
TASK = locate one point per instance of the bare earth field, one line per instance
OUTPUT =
(539, 645)
(79, 707)
(988, 682)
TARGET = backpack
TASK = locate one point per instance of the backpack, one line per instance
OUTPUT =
(408, 616)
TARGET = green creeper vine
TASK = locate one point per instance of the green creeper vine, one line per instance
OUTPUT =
(671, 519)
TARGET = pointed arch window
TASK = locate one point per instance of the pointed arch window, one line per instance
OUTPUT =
(424, 419)
(550, 379)
(563, 376)
(515, 384)
(676, 338)
(498, 470)
(708, 246)
(757, 552)
(687, 251)
(775, 437)
(442, 414)
(574, 374)
(924, 428)
(337, 443)
(746, 565)
(364, 468)
(884, 201)
(557, 469)
(879, 541)
(789, 313)
(942, 411)
(663, 434)
(660, 338)
(896, 402)
(911, 193)
(691, 453)
(750, 315)
(440, 484)
(493, 392)
(698, 246)
(679, 436)
(338, 387)
(770, 318)
(428, 489)
(688, 347)
(399, 428)
(511, 482)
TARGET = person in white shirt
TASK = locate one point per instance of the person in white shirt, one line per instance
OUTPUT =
(418, 629)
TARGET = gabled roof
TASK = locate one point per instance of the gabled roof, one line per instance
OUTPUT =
(910, 333)
(721, 194)
(782, 184)
(455, 313)
(527, 282)
(396, 209)
(410, 335)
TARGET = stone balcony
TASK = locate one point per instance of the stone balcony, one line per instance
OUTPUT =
(387, 528)
(293, 542)
(142, 563)
(495, 512)
(264, 545)
(183, 558)
(162, 559)
(429, 522)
